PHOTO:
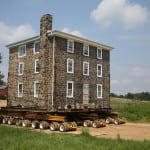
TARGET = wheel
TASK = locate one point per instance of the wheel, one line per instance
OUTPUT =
(19, 122)
(96, 124)
(54, 126)
(11, 121)
(44, 125)
(26, 123)
(108, 120)
(35, 124)
(5, 120)
(63, 127)
(87, 123)
(116, 122)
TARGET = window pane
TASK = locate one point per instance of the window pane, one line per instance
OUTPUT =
(70, 65)
(22, 50)
(69, 88)
(99, 91)
(99, 53)
(85, 68)
(37, 47)
(99, 70)
(20, 90)
(86, 50)
(21, 67)
(37, 66)
(70, 46)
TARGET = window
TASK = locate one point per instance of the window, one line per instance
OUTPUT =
(99, 70)
(20, 89)
(36, 88)
(70, 46)
(99, 53)
(22, 51)
(37, 66)
(99, 90)
(85, 50)
(36, 47)
(70, 65)
(70, 88)
(85, 68)
(21, 68)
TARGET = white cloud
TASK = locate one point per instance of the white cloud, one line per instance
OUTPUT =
(11, 34)
(74, 32)
(110, 12)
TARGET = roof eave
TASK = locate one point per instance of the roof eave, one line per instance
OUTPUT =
(23, 42)
(77, 38)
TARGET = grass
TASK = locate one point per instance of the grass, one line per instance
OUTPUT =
(136, 111)
(26, 139)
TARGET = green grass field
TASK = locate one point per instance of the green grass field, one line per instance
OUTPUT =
(27, 139)
(136, 111)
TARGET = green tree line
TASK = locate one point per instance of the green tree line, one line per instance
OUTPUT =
(134, 96)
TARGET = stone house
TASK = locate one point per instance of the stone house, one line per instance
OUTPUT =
(57, 70)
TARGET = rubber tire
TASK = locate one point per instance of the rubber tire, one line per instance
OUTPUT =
(63, 127)
(54, 126)
(26, 123)
(43, 125)
(19, 122)
(35, 124)
(11, 121)
(87, 123)
(5, 121)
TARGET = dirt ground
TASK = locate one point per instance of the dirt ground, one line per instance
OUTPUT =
(130, 131)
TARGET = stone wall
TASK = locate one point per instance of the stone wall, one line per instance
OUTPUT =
(79, 79)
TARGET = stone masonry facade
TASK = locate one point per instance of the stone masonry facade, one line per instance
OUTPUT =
(53, 87)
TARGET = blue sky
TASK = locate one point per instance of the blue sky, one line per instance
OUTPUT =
(123, 24)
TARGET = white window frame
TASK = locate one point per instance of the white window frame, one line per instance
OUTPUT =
(99, 49)
(20, 94)
(84, 50)
(85, 63)
(19, 49)
(70, 50)
(99, 75)
(101, 92)
(36, 94)
(19, 68)
(35, 66)
(72, 62)
(67, 90)
(35, 42)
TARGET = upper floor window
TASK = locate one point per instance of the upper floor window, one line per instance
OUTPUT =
(20, 89)
(36, 47)
(70, 88)
(22, 51)
(21, 68)
(99, 70)
(99, 90)
(70, 46)
(85, 68)
(99, 53)
(86, 50)
(36, 88)
(70, 65)
(37, 66)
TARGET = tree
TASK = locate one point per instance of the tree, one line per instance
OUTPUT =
(1, 74)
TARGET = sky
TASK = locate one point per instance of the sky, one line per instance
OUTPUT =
(122, 24)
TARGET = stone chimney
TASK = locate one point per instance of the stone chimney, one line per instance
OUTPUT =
(45, 25)
(46, 53)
